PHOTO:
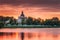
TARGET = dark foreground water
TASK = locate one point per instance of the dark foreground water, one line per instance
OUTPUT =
(30, 34)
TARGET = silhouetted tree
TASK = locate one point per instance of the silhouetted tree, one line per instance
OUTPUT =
(29, 21)
(1, 25)
(47, 22)
(37, 22)
(12, 21)
(55, 21)
(42, 22)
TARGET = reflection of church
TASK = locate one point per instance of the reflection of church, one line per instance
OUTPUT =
(21, 19)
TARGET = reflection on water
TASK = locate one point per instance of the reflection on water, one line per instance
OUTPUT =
(28, 36)
(7, 36)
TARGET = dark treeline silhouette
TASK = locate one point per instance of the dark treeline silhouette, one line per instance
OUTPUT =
(30, 21)
(33, 21)
(39, 21)
(4, 19)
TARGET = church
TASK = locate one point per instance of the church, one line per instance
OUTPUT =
(21, 19)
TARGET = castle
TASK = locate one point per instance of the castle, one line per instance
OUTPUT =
(21, 19)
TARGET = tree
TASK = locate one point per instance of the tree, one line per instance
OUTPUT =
(47, 22)
(42, 22)
(55, 21)
(12, 21)
(37, 22)
(1, 25)
(29, 21)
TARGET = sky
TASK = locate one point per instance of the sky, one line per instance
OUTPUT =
(43, 9)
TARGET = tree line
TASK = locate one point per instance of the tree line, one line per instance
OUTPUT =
(39, 21)
(31, 21)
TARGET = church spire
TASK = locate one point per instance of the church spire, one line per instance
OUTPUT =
(22, 14)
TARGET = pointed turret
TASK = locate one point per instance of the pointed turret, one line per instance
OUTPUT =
(22, 14)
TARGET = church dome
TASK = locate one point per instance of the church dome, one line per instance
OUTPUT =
(22, 14)
(21, 17)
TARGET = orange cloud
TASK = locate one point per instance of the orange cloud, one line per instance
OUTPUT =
(36, 12)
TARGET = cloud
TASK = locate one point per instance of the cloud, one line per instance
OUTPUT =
(53, 4)
(31, 2)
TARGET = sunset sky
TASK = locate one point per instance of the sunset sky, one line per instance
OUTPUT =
(34, 8)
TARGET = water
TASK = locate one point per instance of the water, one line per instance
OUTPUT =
(30, 34)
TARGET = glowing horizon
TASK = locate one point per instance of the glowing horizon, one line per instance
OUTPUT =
(34, 12)
(43, 9)
(42, 15)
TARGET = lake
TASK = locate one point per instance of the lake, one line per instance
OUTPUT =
(30, 33)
